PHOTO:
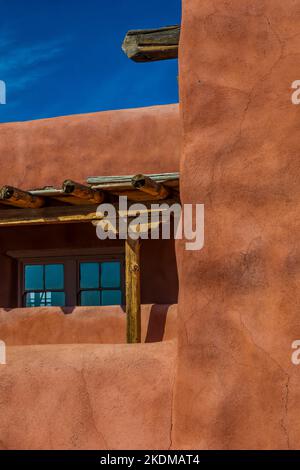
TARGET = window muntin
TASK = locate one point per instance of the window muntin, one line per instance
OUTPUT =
(44, 285)
(45, 299)
(100, 283)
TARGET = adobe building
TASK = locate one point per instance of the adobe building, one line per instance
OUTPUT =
(213, 369)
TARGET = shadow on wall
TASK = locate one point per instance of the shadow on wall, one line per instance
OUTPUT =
(157, 323)
(94, 325)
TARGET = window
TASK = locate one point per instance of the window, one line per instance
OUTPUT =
(71, 280)
(44, 285)
(100, 283)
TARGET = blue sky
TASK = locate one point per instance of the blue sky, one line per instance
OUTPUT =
(62, 57)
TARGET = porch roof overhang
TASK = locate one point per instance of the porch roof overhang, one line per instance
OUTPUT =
(76, 202)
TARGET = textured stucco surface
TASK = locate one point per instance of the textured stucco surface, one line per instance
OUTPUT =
(99, 325)
(68, 384)
(239, 298)
(235, 386)
(87, 396)
(46, 152)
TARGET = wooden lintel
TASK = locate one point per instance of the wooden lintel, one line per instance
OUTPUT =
(149, 186)
(133, 290)
(60, 214)
(149, 45)
(73, 201)
(19, 198)
(82, 191)
(48, 215)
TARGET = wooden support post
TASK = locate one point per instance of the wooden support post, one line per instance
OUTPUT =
(152, 44)
(83, 192)
(18, 198)
(133, 290)
(149, 186)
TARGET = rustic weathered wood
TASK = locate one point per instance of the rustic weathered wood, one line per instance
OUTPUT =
(123, 182)
(48, 191)
(60, 214)
(55, 194)
(106, 183)
(48, 215)
(149, 45)
(133, 290)
(134, 195)
(18, 198)
(81, 191)
(122, 185)
(92, 193)
(69, 199)
(149, 186)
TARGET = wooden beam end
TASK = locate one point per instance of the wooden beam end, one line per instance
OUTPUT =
(152, 44)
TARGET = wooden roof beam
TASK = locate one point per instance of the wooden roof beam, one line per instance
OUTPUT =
(149, 45)
(148, 185)
(18, 198)
(107, 183)
(83, 192)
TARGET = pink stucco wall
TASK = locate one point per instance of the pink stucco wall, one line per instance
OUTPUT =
(79, 325)
(236, 386)
(69, 383)
(87, 396)
(230, 383)
(46, 152)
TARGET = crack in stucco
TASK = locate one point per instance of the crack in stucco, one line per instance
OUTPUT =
(247, 106)
(192, 315)
(99, 433)
(172, 406)
(283, 424)
(232, 144)
(171, 416)
(260, 80)
(284, 420)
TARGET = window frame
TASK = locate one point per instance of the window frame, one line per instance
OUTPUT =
(71, 260)
(99, 288)
(27, 291)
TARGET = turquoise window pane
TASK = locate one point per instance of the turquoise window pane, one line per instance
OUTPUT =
(55, 299)
(111, 274)
(111, 297)
(34, 277)
(90, 298)
(89, 275)
(45, 299)
(33, 299)
(54, 276)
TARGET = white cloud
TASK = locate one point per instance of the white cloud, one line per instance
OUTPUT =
(21, 64)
